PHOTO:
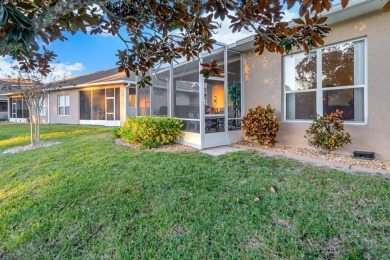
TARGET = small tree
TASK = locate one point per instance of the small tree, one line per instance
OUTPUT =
(34, 87)
(326, 133)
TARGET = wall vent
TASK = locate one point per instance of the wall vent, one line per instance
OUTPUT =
(364, 155)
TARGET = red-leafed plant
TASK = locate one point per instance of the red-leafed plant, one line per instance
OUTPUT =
(326, 133)
(261, 125)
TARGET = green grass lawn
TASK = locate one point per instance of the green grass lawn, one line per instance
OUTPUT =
(90, 198)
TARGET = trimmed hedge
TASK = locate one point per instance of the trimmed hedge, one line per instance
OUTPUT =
(151, 131)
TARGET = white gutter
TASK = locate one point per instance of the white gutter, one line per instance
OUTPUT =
(97, 84)
(338, 8)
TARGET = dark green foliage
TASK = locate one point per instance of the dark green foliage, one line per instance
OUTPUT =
(261, 124)
(234, 91)
(151, 131)
(326, 133)
(116, 133)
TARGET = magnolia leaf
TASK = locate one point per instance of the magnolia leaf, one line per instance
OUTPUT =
(258, 198)
(322, 20)
(344, 3)
(386, 8)
(298, 21)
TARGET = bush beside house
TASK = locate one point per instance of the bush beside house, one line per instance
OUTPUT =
(261, 125)
(326, 133)
(150, 131)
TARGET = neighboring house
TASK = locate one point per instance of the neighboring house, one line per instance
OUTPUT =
(3, 106)
(349, 73)
(95, 98)
(8, 86)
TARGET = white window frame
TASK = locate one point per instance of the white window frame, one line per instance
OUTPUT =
(66, 98)
(320, 90)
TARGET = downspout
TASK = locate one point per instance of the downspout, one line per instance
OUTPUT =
(126, 98)
(9, 108)
(48, 108)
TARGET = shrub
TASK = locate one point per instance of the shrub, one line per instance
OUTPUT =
(261, 124)
(151, 131)
(116, 133)
(326, 133)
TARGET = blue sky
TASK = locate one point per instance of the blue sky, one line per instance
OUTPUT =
(95, 52)
(83, 54)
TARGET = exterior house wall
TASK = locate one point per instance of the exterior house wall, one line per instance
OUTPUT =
(263, 85)
(74, 107)
(74, 101)
(44, 118)
(263, 80)
(3, 109)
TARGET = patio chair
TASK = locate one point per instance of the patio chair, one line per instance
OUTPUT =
(194, 125)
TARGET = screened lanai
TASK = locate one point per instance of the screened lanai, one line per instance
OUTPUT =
(210, 109)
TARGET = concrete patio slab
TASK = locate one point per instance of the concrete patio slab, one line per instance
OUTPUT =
(216, 151)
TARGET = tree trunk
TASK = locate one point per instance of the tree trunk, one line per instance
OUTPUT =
(31, 129)
(38, 129)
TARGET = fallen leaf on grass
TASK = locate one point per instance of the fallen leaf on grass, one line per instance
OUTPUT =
(228, 209)
(130, 230)
(134, 191)
(258, 198)
(272, 190)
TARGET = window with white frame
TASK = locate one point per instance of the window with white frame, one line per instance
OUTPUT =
(328, 79)
(63, 105)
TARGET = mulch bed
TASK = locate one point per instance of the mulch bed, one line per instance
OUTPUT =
(334, 157)
(28, 147)
(165, 148)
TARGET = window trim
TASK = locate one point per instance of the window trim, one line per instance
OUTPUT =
(58, 104)
(320, 89)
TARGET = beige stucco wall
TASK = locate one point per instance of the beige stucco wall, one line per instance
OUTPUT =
(263, 85)
(74, 107)
(45, 117)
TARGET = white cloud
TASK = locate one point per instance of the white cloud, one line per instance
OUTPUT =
(5, 66)
(288, 16)
(66, 70)
(225, 34)
(60, 70)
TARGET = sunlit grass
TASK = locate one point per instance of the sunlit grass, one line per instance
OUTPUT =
(89, 198)
(12, 135)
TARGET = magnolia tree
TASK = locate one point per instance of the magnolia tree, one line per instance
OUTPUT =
(34, 87)
(146, 27)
